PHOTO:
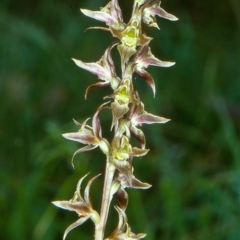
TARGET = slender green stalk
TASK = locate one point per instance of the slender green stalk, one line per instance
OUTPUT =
(106, 199)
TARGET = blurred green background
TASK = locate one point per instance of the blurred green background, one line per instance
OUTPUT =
(194, 162)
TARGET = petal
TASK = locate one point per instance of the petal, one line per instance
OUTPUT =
(85, 137)
(125, 53)
(148, 118)
(149, 20)
(94, 68)
(141, 235)
(122, 198)
(125, 169)
(139, 185)
(162, 13)
(78, 189)
(147, 78)
(116, 11)
(139, 135)
(144, 58)
(98, 28)
(78, 207)
(83, 149)
(76, 224)
(138, 152)
(99, 84)
(77, 123)
(96, 123)
(123, 127)
(122, 218)
(121, 224)
(144, 39)
(108, 64)
(115, 186)
(87, 189)
(137, 236)
(156, 62)
(100, 16)
(123, 231)
(118, 111)
(141, 52)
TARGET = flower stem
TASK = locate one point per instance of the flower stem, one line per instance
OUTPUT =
(106, 200)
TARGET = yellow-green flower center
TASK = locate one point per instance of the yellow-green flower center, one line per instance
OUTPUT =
(125, 149)
(122, 93)
(130, 36)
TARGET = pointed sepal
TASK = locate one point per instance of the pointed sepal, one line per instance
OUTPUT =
(140, 116)
(79, 222)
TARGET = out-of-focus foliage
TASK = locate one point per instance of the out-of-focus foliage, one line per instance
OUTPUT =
(194, 162)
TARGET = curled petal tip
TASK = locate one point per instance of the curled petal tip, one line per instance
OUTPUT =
(173, 18)
(65, 135)
(79, 63)
(56, 203)
(166, 120)
(77, 123)
(75, 60)
(75, 224)
(160, 63)
(171, 64)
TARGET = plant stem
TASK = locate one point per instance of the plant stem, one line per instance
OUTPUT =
(106, 200)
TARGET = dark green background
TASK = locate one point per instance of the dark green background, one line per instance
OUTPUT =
(194, 162)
